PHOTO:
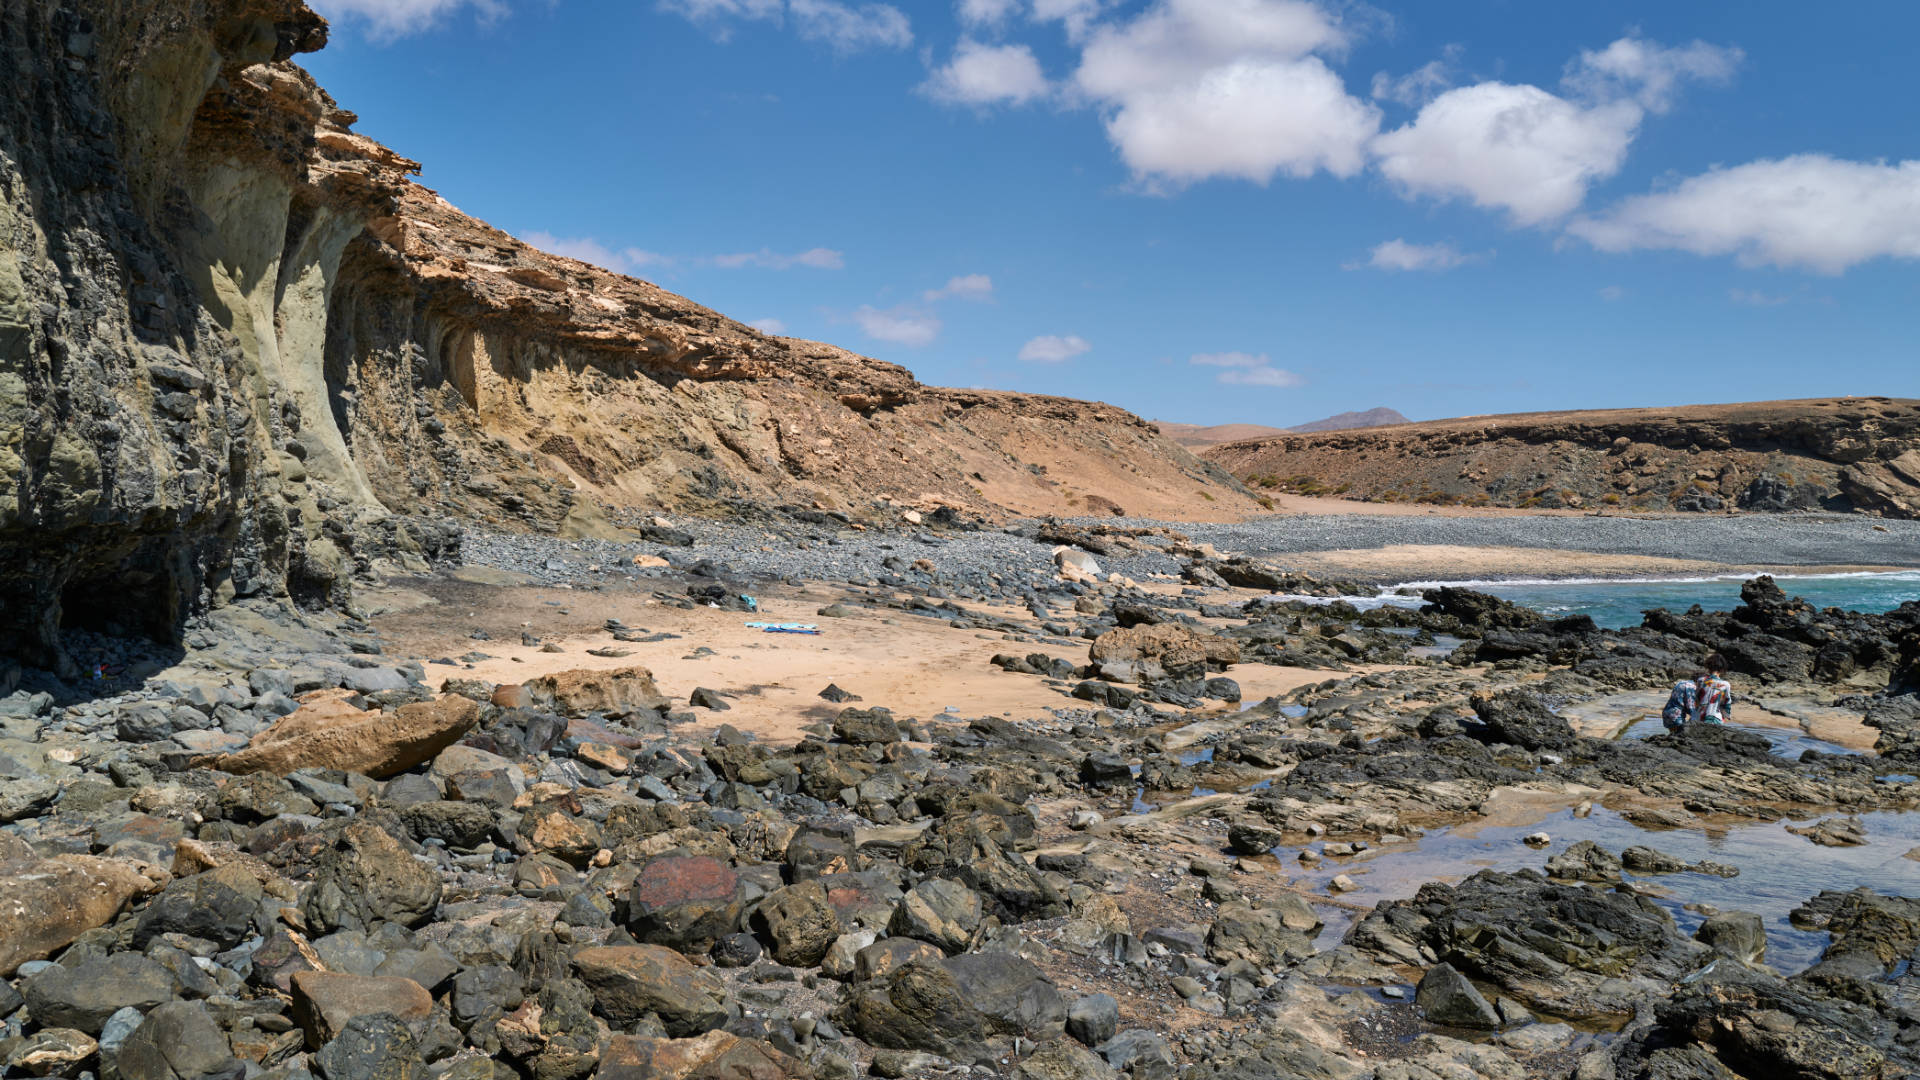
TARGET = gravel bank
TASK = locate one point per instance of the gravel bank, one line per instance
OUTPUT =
(1749, 539)
(818, 553)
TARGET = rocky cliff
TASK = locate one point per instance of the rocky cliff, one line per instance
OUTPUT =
(1845, 454)
(241, 353)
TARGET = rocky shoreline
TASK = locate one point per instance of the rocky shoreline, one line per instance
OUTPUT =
(294, 850)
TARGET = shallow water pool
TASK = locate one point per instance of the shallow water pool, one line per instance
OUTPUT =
(1778, 870)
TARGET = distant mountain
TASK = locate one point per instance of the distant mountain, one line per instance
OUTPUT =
(1380, 417)
(1198, 437)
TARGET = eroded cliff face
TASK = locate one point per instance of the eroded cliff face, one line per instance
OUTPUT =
(1840, 454)
(241, 354)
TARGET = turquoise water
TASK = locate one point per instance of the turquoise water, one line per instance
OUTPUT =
(1620, 602)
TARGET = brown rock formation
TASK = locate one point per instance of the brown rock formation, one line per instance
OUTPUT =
(1845, 454)
(616, 693)
(334, 735)
(242, 354)
(1164, 649)
(46, 903)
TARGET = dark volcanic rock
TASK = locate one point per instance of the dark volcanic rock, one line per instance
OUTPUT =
(1517, 718)
(1446, 997)
(1571, 950)
(83, 996)
(365, 878)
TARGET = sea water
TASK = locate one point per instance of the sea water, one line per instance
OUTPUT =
(1621, 602)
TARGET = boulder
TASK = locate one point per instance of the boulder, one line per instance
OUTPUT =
(716, 1055)
(1447, 998)
(1585, 861)
(937, 910)
(1741, 935)
(46, 903)
(84, 995)
(1164, 650)
(800, 923)
(48, 1052)
(218, 905)
(364, 878)
(1063, 1059)
(684, 902)
(866, 727)
(1247, 838)
(372, 1047)
(1517, 718)
(177, 1041)
(326, 1002)
(617, 694)
(955, 1006)
(630, 981)
(333, 735)
(882, 958)
(1093, 1019)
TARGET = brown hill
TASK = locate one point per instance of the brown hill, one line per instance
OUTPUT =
(1844, 454)
(243, 354)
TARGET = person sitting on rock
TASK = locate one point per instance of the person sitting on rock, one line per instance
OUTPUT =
(1682, 702)
(1714, 703)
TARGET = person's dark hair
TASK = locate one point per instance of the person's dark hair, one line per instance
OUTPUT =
(1715, 664)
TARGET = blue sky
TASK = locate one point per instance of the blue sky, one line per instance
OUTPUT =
(1209, 210)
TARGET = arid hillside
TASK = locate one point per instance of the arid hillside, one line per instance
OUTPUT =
(1843, 454)
(242, 353)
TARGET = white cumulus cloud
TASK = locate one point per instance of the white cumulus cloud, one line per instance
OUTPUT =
(1533, 153)
(846, 27)
(1053, 349)
(588, 250)
(900, 325)
(1260, 376)
(1194, 89)
(850, 29)
(1245, 369)
(1810, 211)
(1648, 72)
(766, 259)
(1420, 85)
(1398, 254)
(986, 12)
(988, 75)
(387, 19)
(1074, 15)
(962, 287)
(1505, 147)
(769, 326)
(1229, 359)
